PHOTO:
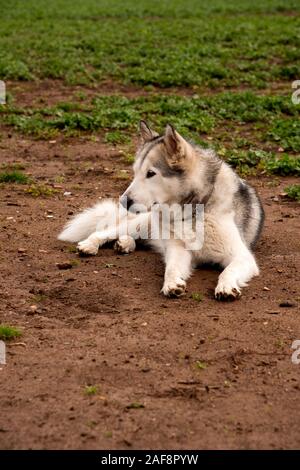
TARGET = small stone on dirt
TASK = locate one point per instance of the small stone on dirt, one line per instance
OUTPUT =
(287, 303)
(33, 310)
(64, 265)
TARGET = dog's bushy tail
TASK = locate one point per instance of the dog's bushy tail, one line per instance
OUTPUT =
(85, 223)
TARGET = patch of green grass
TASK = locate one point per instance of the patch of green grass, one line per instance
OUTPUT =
(205, 47)
(80, 95)
(283, 165)
(129, 158)
(287, 133)
(13, 176)
(116, 137)
(91, 390)
(178, 43)
(245, 161)
(41, 190)
(197, 296)
(190, 115)
(218, 116)
(59, 179)
(29, 123)
(9, 332)
(293, 191)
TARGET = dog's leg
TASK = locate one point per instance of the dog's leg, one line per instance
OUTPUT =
(91, 245)
(178, 268)
(125, 244)
(126, 232)
(239, 262)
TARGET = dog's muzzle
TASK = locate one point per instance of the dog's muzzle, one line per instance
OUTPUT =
(126, 202)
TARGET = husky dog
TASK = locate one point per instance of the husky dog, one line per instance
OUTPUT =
(170, 170)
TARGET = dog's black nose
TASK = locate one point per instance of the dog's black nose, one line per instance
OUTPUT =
(126, 202)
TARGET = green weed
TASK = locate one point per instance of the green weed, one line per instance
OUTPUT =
(41, 190)
(91, 390)
(197, 296)
(13, 176)
(293, 191)
(201, 365)
(9, 332)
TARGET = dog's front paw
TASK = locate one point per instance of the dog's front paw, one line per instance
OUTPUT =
(125, 244)
(227, 291)
(175, 288)
(88, 247)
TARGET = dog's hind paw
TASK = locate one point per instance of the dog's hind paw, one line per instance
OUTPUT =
(227, 293)
(174, 288)
(87, 247)
(125, 244)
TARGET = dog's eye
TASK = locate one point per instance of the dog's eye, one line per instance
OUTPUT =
(150, 173)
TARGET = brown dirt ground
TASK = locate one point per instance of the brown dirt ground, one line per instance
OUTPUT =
(49, 92)
(109, 326)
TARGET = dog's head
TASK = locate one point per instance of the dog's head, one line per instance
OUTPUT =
(162, 169)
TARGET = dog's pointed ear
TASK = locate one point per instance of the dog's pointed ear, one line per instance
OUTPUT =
(172, 140)
(176, 147)
(146, 133)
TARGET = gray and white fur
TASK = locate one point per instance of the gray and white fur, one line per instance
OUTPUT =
(168, 169)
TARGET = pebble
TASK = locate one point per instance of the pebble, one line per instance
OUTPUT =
(33, 309)
(65, 265)
(287, 303)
